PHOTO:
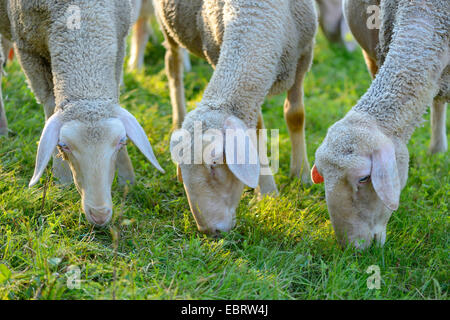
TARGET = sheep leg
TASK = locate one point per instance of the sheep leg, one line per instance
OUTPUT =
(186, 61)
(371, 64)
(124, 168)
(438, 129)
(141, 34)
(294, 114)
(174, 70)
(60, 167)
(266, 183)
(329, 18)
(3, 121)
(40, 78)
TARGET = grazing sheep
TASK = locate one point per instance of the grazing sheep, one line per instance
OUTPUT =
(333, 24)
(364, 158)
(73, 63)
(256, 48)
(141, 32)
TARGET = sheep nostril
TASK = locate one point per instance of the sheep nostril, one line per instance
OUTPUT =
(101, 216)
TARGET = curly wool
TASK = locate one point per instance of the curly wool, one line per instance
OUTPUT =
(254, 47)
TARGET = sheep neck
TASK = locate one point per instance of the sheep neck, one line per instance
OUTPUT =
(87, 59)
(246, 69)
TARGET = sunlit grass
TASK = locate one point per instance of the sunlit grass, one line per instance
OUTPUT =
(282, 248)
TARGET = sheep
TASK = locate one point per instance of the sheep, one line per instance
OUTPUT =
(333, 24)
(141, 32)
(73, 64)
(363, 158)
(256, 48)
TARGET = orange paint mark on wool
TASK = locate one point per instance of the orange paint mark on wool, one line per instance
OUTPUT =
(315, 176)
(11, 54)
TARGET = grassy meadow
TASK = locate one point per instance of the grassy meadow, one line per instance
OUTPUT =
(282, 248)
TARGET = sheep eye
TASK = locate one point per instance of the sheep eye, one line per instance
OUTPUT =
(63, 147)
(364, 180)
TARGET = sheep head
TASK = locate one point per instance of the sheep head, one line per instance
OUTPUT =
(364, 172)
(215, 165)
(91, 149)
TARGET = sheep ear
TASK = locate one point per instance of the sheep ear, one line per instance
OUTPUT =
(240, 152)
(137, 134)
(385, 179)
(47, 144)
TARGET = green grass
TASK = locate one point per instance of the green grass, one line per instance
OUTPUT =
(282, 248)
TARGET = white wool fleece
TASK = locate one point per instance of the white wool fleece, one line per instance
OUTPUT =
(254, 47)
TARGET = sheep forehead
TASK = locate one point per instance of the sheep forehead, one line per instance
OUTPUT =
(206, 120)
(344, 148)
(87, 110)
(93, 133)
(210, 119)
